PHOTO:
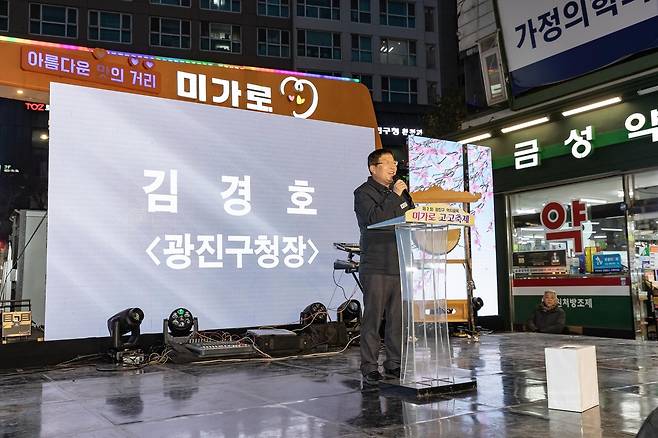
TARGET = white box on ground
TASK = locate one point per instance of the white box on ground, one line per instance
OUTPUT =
(571, 377)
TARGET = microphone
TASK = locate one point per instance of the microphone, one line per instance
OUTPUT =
(396, 178)
(405, 193)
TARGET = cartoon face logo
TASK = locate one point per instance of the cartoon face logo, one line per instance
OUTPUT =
(296, 97)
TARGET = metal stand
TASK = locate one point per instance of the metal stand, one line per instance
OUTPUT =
(358, 283)
(468, 257)
(350, 266)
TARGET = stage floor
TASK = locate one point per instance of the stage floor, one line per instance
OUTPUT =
(323, 397)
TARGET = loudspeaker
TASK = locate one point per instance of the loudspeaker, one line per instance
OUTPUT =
(281, 345)
(330, 335)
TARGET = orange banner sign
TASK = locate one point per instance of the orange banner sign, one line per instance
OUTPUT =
(136, 75)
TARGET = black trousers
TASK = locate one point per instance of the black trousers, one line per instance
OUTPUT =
(381, 296)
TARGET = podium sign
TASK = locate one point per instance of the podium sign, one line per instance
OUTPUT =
(439, 214)
(423, 243)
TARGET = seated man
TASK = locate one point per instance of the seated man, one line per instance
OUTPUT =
(548, 317)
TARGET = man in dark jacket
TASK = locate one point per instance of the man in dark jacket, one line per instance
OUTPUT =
(380, 198)
(548, 317)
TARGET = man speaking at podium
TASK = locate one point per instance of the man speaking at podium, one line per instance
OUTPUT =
(380, 198)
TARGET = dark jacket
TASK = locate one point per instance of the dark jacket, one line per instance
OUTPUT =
(649, 428)
(545, 320)
(375, 203)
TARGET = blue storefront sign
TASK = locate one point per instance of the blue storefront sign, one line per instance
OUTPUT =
(606, 263)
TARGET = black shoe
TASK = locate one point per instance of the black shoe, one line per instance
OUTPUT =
(395, 372)
(372, 378)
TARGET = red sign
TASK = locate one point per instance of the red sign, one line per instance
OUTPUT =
(553, 217)
(36, 106)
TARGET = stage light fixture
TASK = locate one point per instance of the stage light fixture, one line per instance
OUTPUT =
(315, 313)
(124, 322)
(477, 304)
(180, 322)
(350, 312)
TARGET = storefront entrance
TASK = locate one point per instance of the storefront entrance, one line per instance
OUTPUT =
(643, 227)
(572, 239)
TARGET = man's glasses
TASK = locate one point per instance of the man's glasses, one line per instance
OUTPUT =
(394, 163)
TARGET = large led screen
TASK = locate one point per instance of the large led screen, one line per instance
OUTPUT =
(157, 203)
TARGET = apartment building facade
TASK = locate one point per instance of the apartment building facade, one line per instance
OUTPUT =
(403, 51)
(239, 32)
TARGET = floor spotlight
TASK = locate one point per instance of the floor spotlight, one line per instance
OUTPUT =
(315, 313)
(461, 331)
(350, 312)
(124, 322)
(477, 304)
(180, 322)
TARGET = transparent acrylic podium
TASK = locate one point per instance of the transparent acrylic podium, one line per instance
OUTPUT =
(426, 367)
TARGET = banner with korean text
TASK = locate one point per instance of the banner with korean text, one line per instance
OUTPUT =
(157, 203)
(550, 41)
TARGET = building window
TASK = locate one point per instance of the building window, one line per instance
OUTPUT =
(110, 26)
(360, 11)
(364, 79)
(361, 48)
(53, 20)
(399, 52)
(474, 92)
(492, 70)
(183, 3)
(274, 42)
(217, 37)
(432, 92)
(397, 13)
(4, 15)
(170, 32)
(429, 19)
(399, 90)
(328, 9)
(318, 44)
(604, 229)
(221, 5)
(274, 8)
(430, 55)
